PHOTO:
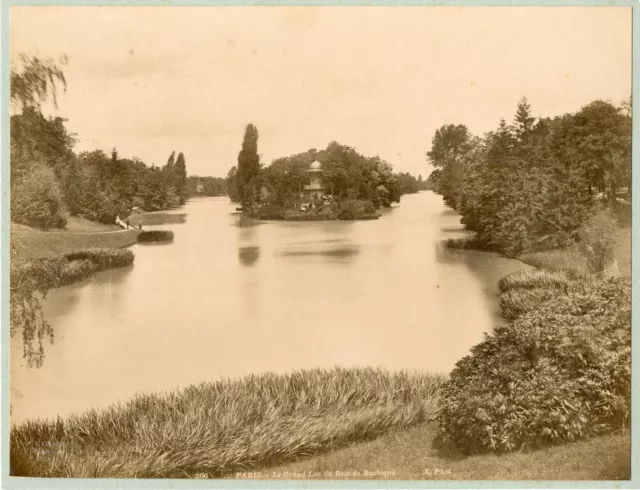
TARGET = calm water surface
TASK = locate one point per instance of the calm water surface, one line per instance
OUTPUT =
(227, 299)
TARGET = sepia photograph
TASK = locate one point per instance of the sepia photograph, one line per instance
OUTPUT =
(317, 243)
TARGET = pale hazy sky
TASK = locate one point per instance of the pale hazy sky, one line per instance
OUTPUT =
(149, 80)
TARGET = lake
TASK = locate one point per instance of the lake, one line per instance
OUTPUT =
(230, 297)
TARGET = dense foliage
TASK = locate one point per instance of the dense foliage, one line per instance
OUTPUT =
(48, 179)
(531, 185)
(558, 373)
(206, 186)
(31, 279)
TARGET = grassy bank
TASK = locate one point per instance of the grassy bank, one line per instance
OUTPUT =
(80, 234)
(417, 454)
(218, 428)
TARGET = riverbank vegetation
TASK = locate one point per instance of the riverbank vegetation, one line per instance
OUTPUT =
(233, 425)
(560, 372)
(155, 236)
(30, 279)
(50, 182)
(355, 185)
(532, 185)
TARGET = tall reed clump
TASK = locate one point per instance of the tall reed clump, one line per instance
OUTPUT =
(525, 291)
(558, 373)
(155, 236)
(229, 425)
(103, 258)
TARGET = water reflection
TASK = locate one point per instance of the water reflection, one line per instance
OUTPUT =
(249, 255)
(337, 252)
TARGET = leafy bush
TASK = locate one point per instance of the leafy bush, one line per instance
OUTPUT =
(559, 373)
(516, 302)
(103, 258)
(36, 199)
(351, 209)
(155, 236)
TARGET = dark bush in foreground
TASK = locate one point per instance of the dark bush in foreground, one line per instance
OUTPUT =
(155, 236)
(220, 427)
(104, 258)
(559, 373)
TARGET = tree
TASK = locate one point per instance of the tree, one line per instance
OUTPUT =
(523, 121)
(180, 178)
(36, 199)
(602, 135)
(248, 172)
(33, 80)
(73, 184)
(449, 148)
(232, 184)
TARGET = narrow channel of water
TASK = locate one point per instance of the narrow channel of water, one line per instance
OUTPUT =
(228, 298)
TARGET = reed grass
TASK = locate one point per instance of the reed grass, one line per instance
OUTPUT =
(155, 236)
(103, 258)
(540, 278)
(230, 425)
(525, 291)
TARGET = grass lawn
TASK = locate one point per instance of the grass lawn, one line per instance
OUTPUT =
(79, 234)
(413, 454)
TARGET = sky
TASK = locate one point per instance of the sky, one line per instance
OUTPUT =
(150, 80)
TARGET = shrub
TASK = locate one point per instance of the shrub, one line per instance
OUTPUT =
(36, 199)
(516, 302)
(351, 209)
(558, 373)
(597, 240)
(103, 258)
(155, 236)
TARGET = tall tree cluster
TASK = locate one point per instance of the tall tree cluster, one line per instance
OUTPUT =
(532, 183)
(346, 174)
